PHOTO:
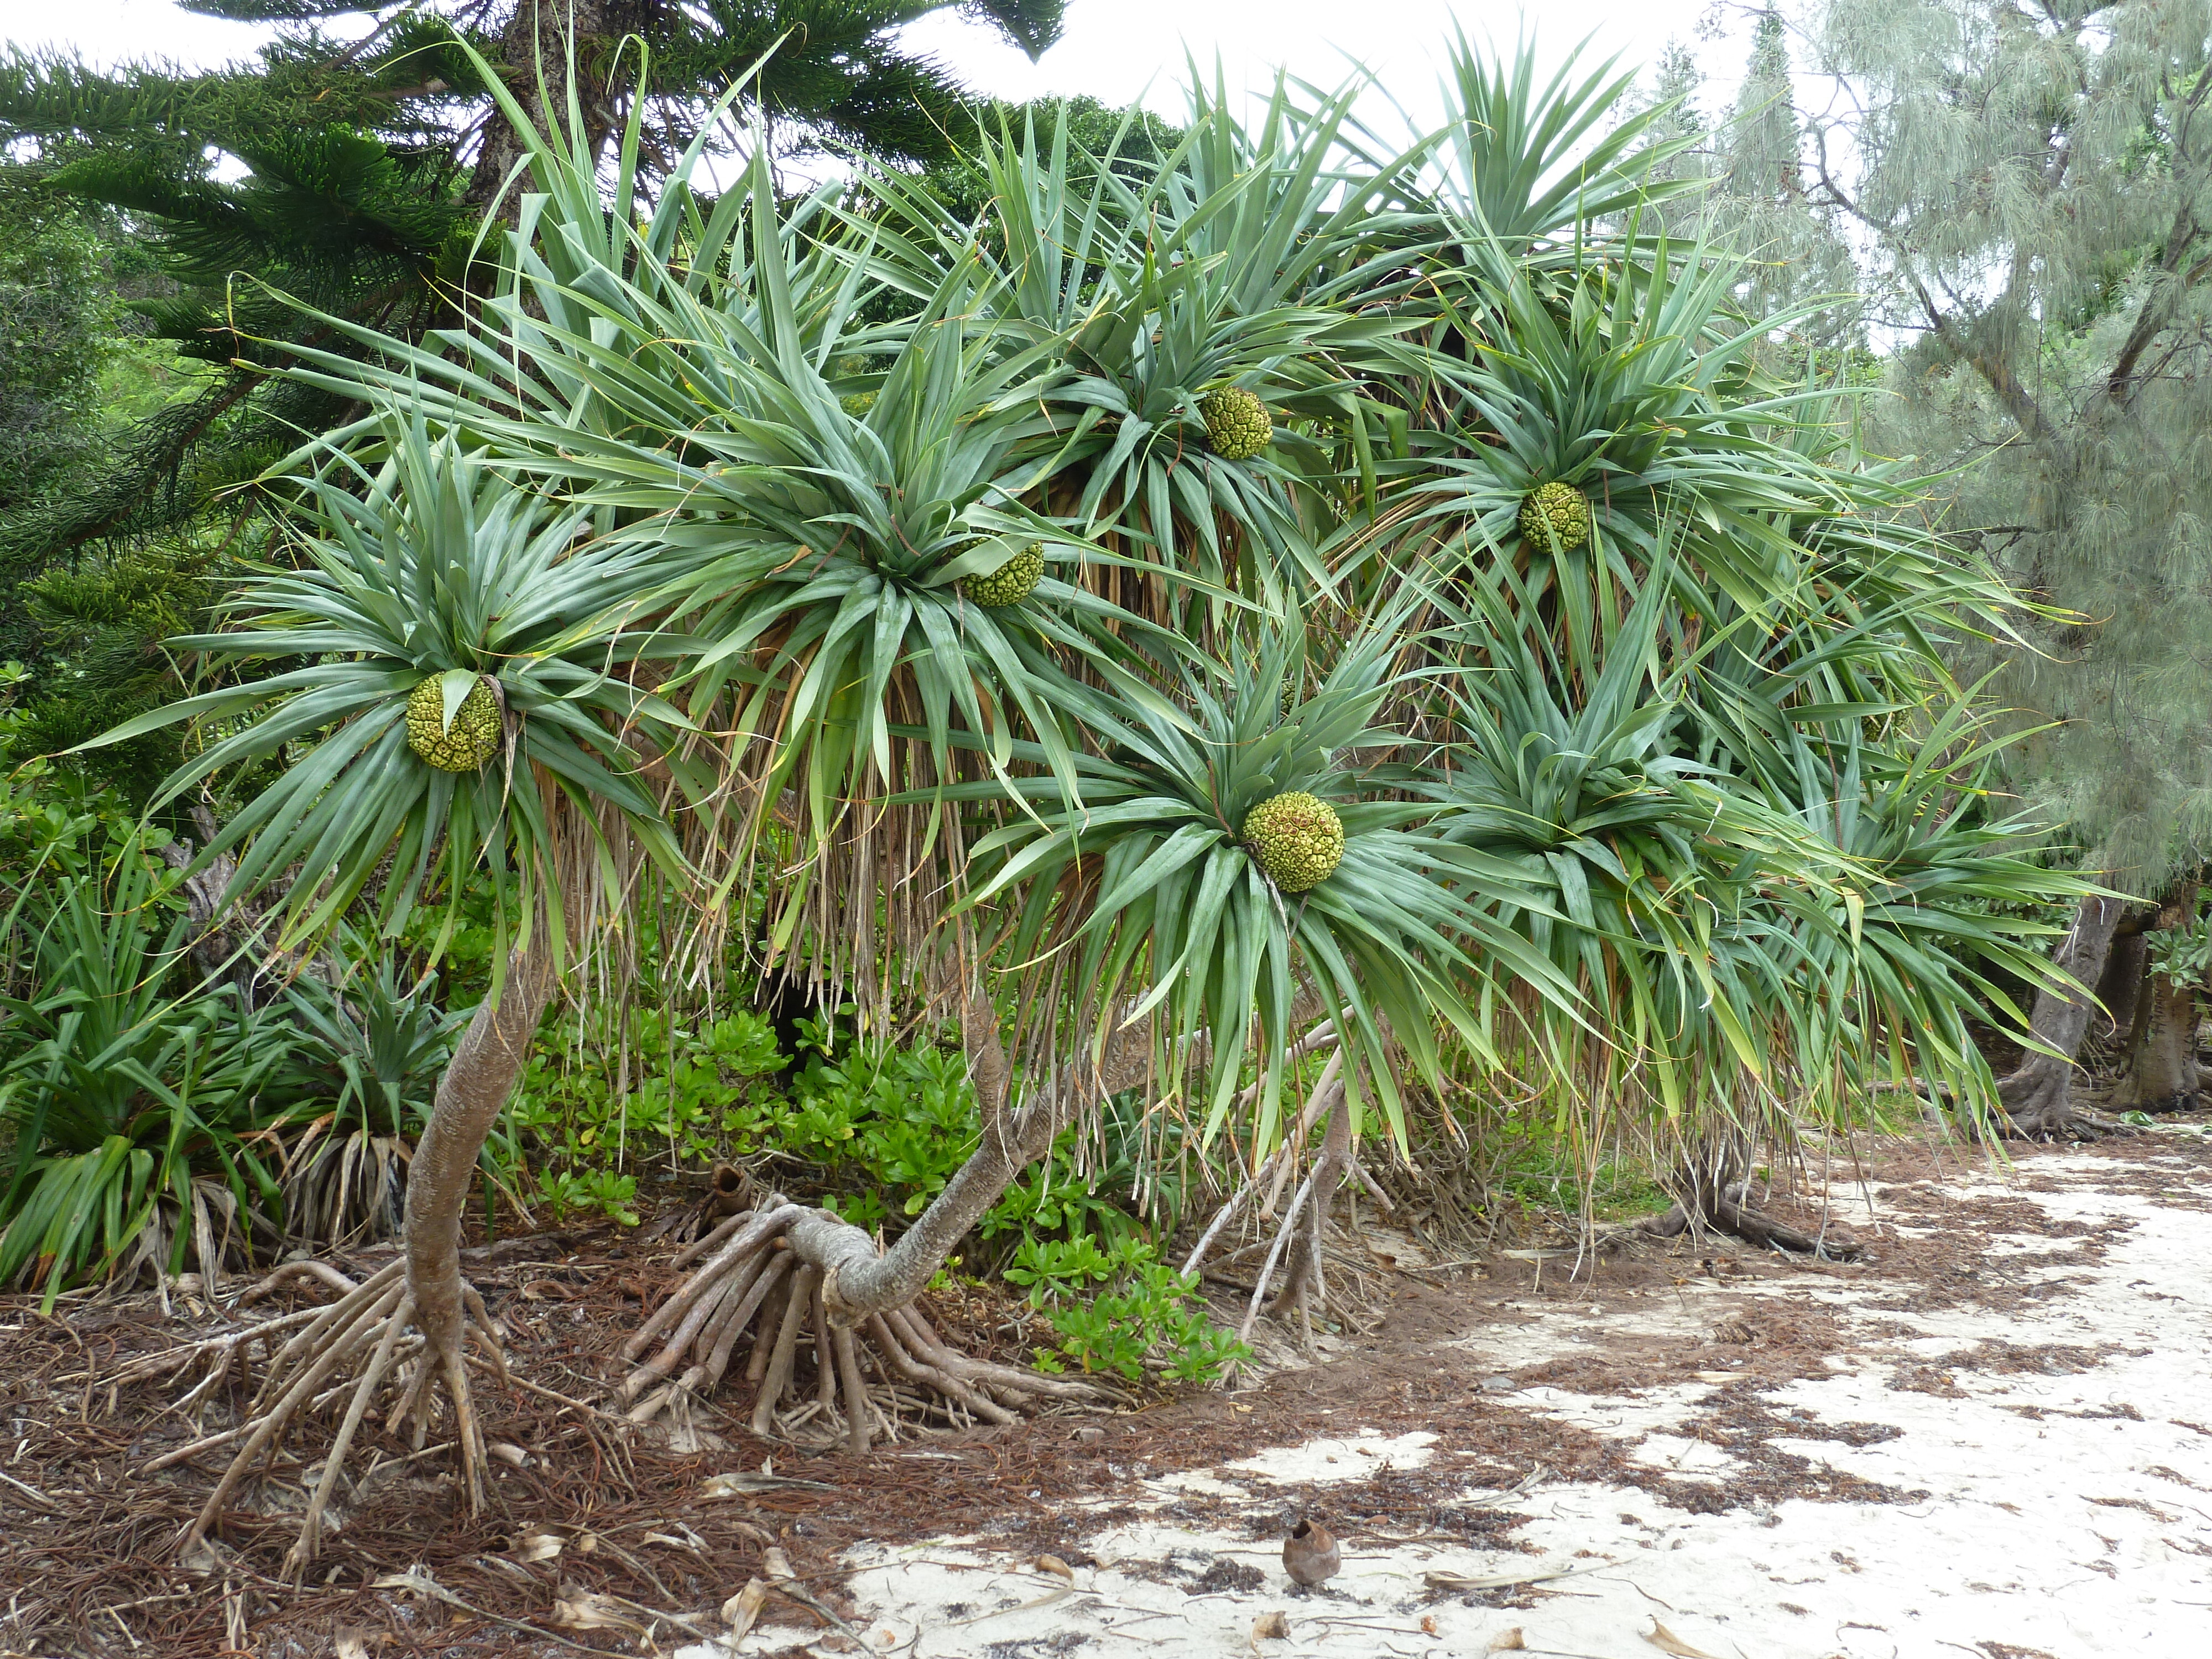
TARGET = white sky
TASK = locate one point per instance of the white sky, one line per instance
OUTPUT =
(1114, 49)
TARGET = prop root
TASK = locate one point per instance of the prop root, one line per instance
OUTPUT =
(754, 1283)
(370, 1326)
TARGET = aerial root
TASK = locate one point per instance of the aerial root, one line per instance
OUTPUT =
(1304, 1282)
(370, 1329)
(1730, 1211)
(750, 1286)
(2069, 1121)
(305, 1546)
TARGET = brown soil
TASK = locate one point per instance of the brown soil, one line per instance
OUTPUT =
(86, 1543)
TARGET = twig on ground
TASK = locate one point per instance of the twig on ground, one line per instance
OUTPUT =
(32, 1492)
(422, 1584)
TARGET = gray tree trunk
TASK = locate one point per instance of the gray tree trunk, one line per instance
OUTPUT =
(856, 1280)
(2039, 1097)
(478, 1078)
(2160, 1074)
(230, 940)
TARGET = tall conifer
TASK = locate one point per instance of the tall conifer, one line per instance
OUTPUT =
(348, 166)
(2032, 188)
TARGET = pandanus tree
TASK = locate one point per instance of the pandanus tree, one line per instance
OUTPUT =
(1678, 608)
(807, 620)
(470, 734)
(903, 567)
(1205, 313)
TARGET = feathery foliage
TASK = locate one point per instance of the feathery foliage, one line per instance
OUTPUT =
(2032, 188)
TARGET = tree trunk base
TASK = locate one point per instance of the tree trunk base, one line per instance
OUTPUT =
(2040, 1104)
(754, 1283)
(366, 1329)
(2160, 1073)
(2191, 1101)
(1730, 1213)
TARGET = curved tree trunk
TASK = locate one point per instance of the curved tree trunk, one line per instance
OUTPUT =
(843, 1286)
(856, 1281)
(483, 1073)
(367, 1326)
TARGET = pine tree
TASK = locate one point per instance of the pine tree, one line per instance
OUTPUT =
(1753, 165)
(1801, 266)
(56, 326)
(63, 332)
(100, 626)
(1676, 134)
(2033, 191)
(368, 164)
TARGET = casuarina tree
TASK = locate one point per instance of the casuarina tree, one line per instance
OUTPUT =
(2032, 188)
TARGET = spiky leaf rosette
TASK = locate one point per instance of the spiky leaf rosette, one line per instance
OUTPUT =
(1237, 424)
(1166, 275)
(1524, 160)
(458, 742)
(1010, 583)
(1168, 907)
(815, 554)
(1298, 838)
(1726, 926)
(1648, 392)
(1556, 514)
(406, 558)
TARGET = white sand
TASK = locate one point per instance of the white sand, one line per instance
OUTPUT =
(2082, 1531)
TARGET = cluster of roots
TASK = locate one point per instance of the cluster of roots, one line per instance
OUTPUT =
(751, 1294)
(359, 1348)
(1729, 1210)
(823, 1374)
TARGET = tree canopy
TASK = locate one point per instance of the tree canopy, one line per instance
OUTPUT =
(2033, 187)
(1267, 638)
(348, 170)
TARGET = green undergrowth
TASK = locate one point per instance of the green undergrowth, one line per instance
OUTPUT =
(1543, 1172)
(872, 1131)
(149, 1114)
